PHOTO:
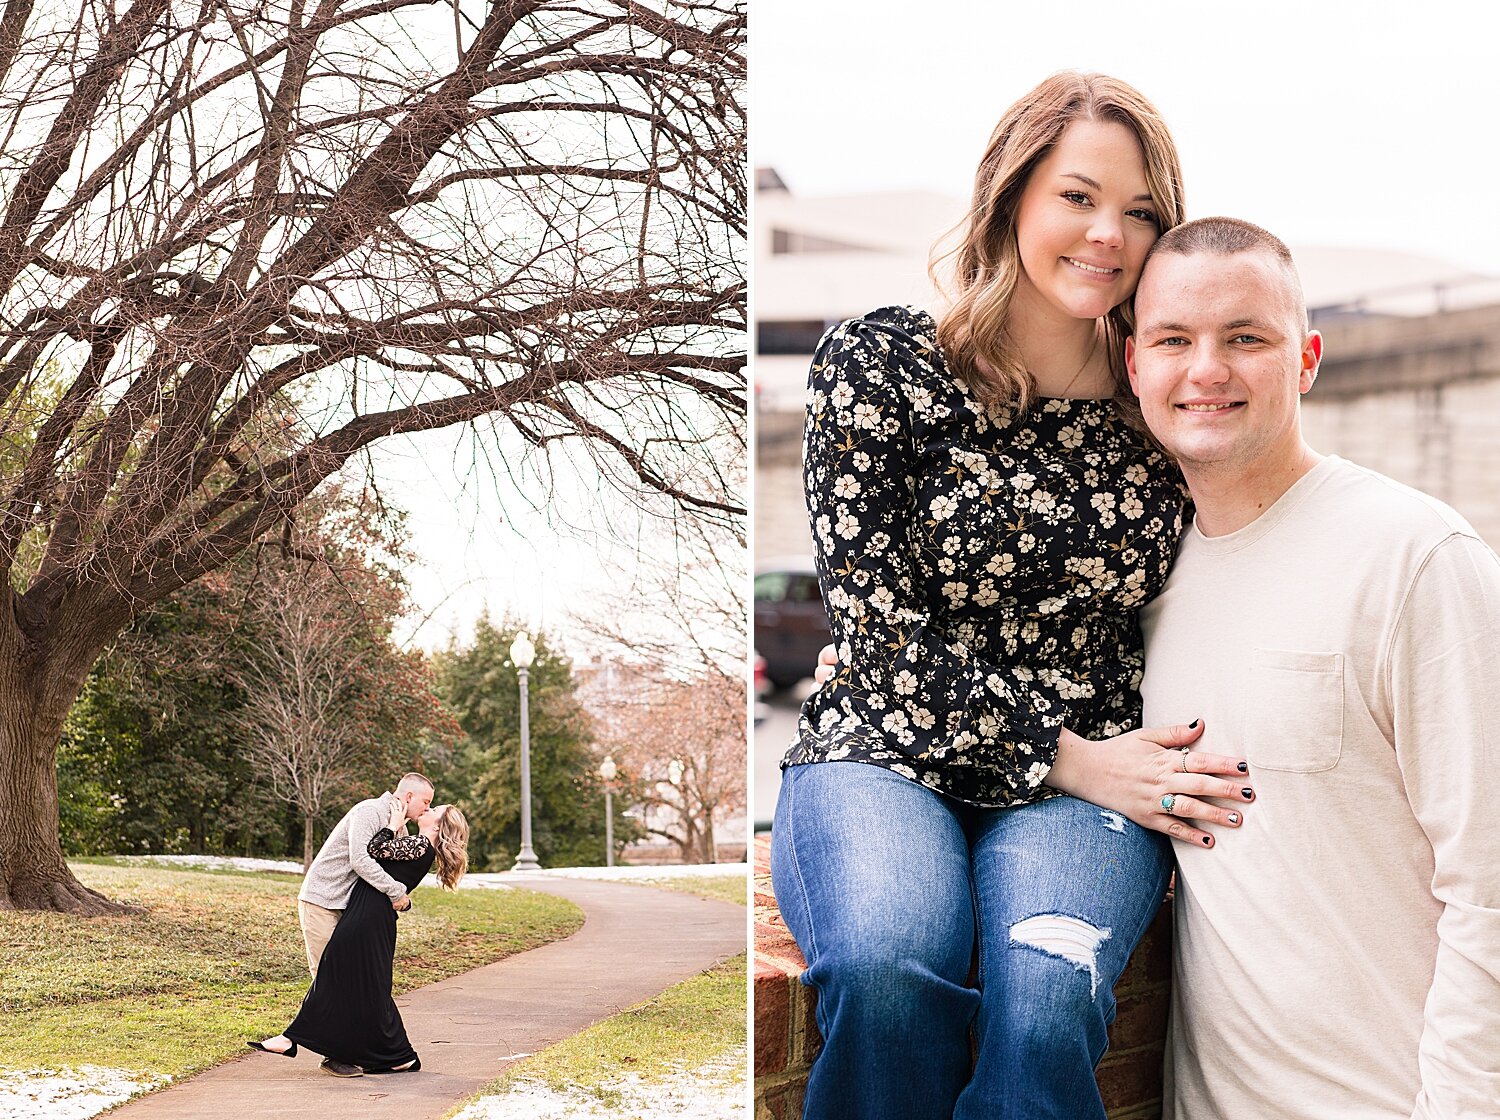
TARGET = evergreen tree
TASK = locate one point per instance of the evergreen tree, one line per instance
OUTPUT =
(482, 688)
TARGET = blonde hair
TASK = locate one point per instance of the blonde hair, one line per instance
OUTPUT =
(987, 259)
(450, 846)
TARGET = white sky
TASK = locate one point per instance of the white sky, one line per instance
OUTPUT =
(1361, 124)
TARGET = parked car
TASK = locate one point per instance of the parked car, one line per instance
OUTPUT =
(791, 625)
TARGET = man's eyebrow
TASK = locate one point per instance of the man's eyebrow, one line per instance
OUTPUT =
(1086, 181)
(1232, 325)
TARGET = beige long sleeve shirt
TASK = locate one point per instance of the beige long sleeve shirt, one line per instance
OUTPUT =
(343, 859)
(1338, 957)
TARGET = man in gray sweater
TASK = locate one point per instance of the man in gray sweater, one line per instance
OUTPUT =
(343, 860)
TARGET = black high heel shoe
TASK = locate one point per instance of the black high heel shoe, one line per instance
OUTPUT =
(289, 1053)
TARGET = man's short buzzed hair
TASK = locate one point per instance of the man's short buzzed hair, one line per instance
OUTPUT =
(414, 779)
(1225, 236)
(1220, 235)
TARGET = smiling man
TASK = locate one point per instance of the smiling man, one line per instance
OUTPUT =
(1339, 955)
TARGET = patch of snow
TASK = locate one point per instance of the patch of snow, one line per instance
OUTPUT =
(74, 1094)
(711, 1092)
(221, 863)
(639, 872)
(492, 880)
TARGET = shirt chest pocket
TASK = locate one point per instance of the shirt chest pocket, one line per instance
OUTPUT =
(1294, 711)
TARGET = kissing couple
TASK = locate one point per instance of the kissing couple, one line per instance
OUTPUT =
(360, 881)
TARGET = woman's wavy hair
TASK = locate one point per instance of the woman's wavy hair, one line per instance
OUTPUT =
(451, 846)
(986, 262)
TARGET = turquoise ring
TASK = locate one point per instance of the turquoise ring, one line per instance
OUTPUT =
(1169, 802)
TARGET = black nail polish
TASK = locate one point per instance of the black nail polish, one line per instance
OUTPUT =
(1247, 793)
(1234, 818)
(1242, 768)
(1194, 725)
(1208, 842)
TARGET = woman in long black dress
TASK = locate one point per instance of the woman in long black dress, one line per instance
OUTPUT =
(348, 1013)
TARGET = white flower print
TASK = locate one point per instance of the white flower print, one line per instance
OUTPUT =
(942, 507)
(866, 415)
(904, 682)
(1002, 564)
(1131, 507)
(842, 395)
(1089, 567)
(895, 721)
(846, 487)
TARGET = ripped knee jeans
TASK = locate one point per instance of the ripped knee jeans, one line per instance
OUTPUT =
(893, 892)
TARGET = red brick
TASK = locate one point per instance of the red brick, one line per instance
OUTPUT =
(773, 1019)
(1130, 1081)
(784, 1102)
(1141, 1018)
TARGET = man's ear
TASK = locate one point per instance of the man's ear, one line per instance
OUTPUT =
(1312, 358)
(1130, 363)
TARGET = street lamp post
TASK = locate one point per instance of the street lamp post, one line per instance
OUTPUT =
(607, 771)
(522, 654)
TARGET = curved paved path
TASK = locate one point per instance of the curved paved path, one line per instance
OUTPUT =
(635, 942)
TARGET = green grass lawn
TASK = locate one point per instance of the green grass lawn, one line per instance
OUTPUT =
(216, 959)
(726, 888)
(691, 1025)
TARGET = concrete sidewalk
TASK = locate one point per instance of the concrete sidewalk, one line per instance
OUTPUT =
(635, 942)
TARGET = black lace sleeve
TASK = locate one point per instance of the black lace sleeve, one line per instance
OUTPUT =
(385, 844)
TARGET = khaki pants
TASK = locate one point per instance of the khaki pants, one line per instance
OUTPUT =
(317, 928)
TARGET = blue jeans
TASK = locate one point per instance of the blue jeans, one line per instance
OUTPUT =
(888, 887)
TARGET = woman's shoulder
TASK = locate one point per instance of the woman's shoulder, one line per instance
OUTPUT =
(896, 345)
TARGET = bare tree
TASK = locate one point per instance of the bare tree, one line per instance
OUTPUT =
(299, 670)
(683, 743)
(242, 240)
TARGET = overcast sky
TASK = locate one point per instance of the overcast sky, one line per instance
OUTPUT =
(1337, 123)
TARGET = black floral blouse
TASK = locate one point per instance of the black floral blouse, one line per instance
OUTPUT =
(982, 568)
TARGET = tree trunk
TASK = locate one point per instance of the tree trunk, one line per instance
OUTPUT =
(710, 845)
(307, 844)
(45, 657)
(35, 695)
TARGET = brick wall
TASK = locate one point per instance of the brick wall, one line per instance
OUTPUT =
(786, 1035)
